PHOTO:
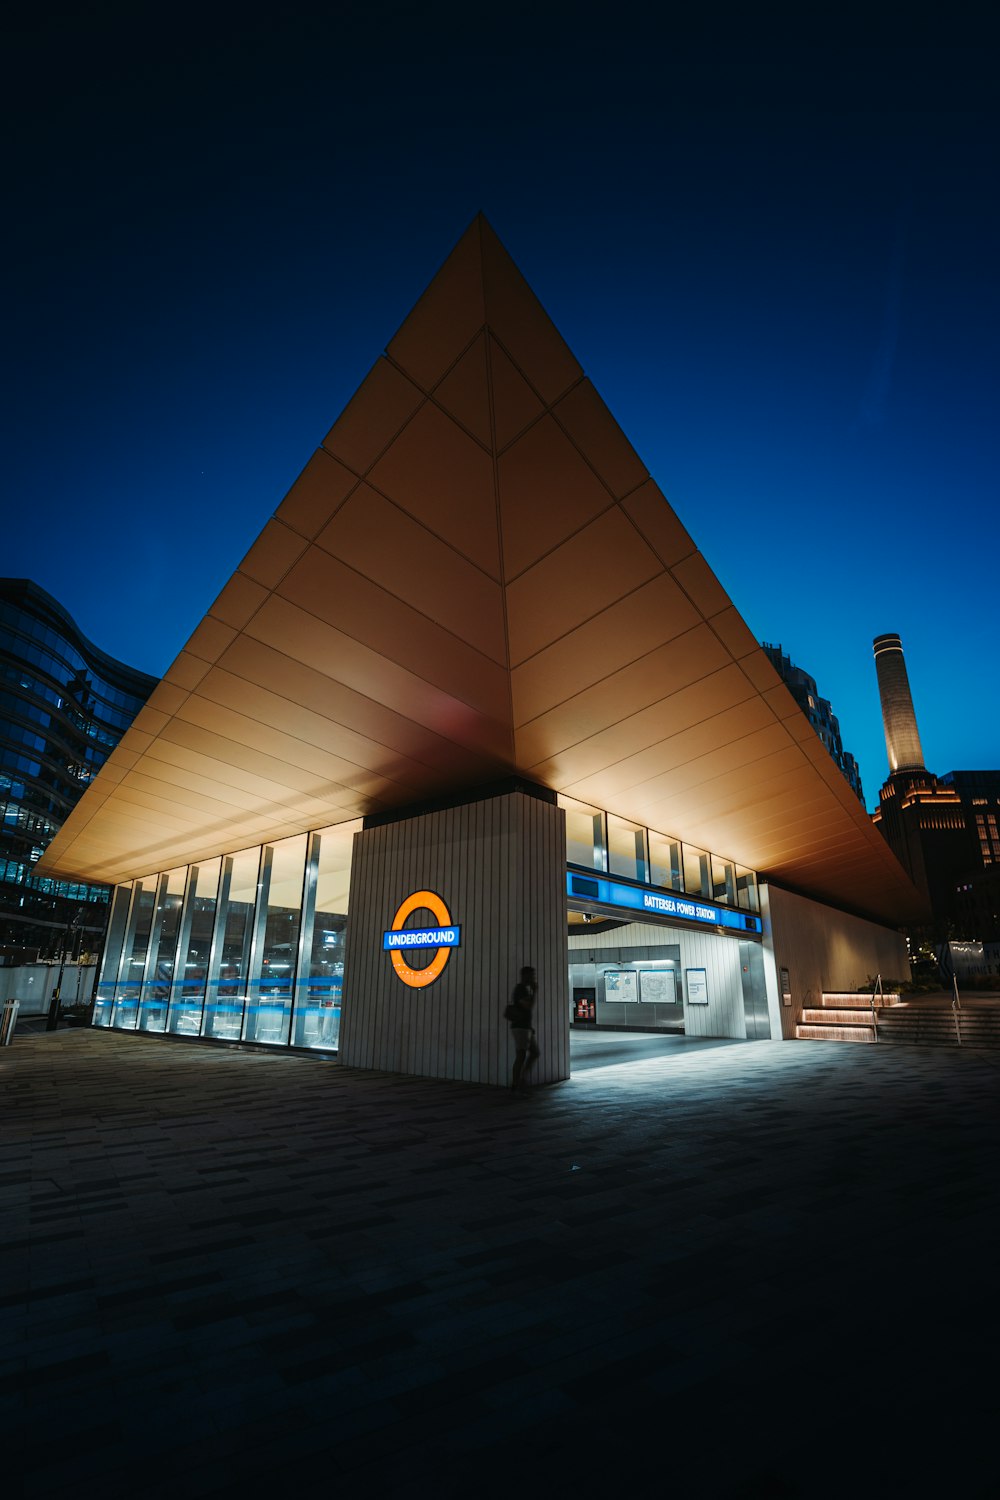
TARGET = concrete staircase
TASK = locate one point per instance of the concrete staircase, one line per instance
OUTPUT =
(932, 1023)
(928, 1021)
(843, 1018)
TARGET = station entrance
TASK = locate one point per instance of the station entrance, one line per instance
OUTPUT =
(659, 977)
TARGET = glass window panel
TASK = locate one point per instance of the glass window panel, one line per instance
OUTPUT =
(746, 889)
(584, 834)
(223, 1015)
(111, 961)
(665, 867)
(697, 871)
(191, 975)
(162, 951)
(268, 1013)
(319, 991)
(723, 880)
(129, 988)
(626, 849)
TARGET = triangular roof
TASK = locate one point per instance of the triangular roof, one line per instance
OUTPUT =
(474, 576)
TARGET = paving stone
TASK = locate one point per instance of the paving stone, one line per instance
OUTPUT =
(748, 1269)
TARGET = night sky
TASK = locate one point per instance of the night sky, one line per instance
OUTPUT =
(774, 251)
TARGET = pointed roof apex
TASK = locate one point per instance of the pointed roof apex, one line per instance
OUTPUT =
(475, 577)
(479, 286)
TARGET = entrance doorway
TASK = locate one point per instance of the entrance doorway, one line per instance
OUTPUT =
(634, 989)
(665, 978)
(621, 984)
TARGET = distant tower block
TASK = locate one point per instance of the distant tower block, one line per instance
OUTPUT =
(902, 742)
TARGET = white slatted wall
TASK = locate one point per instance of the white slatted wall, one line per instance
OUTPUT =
(500, 867)
(824, 949)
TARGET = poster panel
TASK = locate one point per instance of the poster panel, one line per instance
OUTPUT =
(697, 986)
(620, 986)
(657, 987)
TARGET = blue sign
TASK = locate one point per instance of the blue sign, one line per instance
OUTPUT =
(422, 937)
(641, 898)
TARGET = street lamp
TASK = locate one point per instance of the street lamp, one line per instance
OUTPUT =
(53, 1017)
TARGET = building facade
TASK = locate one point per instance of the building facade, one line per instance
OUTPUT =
(475, 700)
(899, 721)
(944, 830)
(819, 713)
(977, 891)
(64, 706)
(251, 946)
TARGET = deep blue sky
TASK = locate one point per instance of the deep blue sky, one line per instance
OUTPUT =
(774, 250)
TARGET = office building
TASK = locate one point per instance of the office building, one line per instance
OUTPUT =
(474, 700)
(64, 705)
(819, 713)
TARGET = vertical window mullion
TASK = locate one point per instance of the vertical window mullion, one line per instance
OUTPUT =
(152, 947)
(251, 991)
(218, 943)
(303, 959)
(179, 972)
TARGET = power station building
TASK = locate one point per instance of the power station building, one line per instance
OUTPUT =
(474, 700)
(944, 830)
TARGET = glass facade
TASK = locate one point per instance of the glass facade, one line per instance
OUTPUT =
(237, 902)
(585, 840)
(665, 866)
(746, 889)
(159, 969)
(697, 871)
(723, 880)
(627, 849)
(268, 1014)
(249, 947)
(125, 1006)
(187, 994)
(64, 705)
(316, 1019)
(596, 840)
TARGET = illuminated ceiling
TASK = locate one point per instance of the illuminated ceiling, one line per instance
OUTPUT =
(475, 576)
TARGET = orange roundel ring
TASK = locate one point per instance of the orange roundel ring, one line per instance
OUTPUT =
(418, 978)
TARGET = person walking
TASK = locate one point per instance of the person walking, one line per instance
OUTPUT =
(521, 1013)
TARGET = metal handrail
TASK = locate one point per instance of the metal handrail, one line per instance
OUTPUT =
(876, 989)
(956, 1008)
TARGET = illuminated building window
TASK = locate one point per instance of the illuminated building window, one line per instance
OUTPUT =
(627, 849)
(585, 841)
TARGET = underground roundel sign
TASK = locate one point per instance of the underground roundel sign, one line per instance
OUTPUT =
(400, 941)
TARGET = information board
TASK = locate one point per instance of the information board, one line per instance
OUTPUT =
(697, 986)
(657, 987)
(620, 985)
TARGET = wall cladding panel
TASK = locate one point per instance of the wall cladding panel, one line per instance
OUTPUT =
(499, 865)
(822, 949)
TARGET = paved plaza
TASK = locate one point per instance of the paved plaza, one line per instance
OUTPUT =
(702, 1268)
